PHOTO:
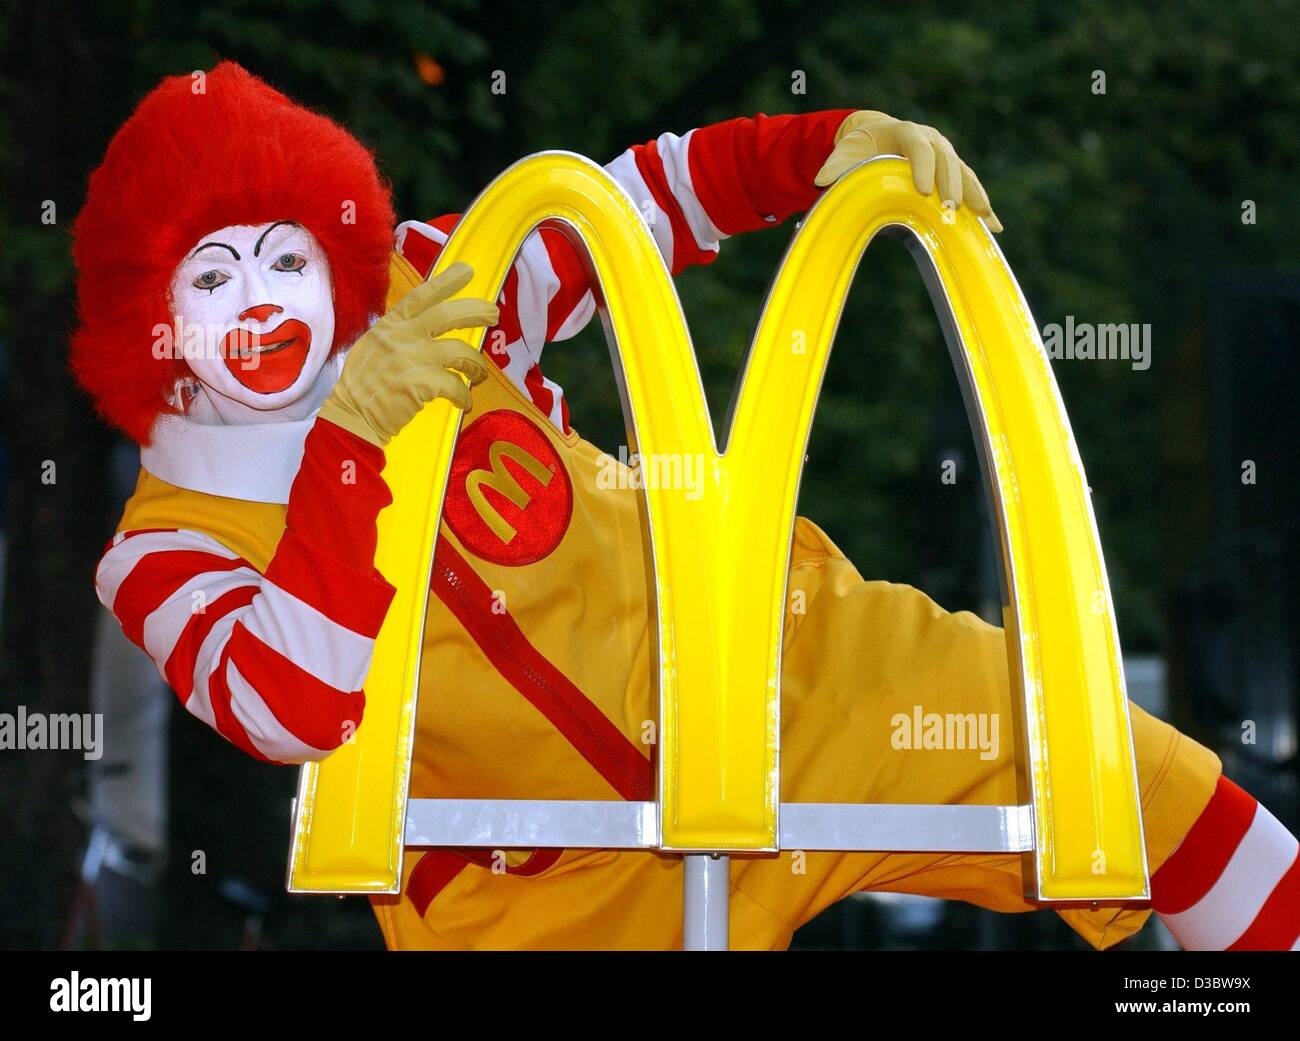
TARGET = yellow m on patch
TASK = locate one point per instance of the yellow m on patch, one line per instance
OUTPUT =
(501, 480)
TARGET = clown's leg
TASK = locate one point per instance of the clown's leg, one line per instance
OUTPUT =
(865, 659)
(1234, 882)
(858, 655)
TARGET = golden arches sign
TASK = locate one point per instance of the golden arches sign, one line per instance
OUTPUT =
(720, 559)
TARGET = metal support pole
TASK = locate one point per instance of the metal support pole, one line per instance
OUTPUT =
(706, 902)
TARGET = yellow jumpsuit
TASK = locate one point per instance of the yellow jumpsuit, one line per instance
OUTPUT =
(536, 684)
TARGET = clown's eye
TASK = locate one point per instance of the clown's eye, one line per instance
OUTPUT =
(209, 280)
(289, 262)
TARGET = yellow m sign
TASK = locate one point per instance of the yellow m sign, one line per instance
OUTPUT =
(720, 559)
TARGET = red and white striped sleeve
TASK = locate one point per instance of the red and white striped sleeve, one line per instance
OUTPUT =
(1234, 881)
(273, 662)
(694, 190)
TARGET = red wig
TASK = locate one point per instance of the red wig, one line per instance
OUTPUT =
(197, 155)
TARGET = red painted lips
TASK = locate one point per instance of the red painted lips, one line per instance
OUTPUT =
(267, 362)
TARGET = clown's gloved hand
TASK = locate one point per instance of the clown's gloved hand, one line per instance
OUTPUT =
(864, 135)
(398, 366)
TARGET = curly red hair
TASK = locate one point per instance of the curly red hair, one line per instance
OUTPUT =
(189, 161)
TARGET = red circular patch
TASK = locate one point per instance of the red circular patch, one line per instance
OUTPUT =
(509, 499)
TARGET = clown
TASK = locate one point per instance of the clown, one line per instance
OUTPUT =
(293, 337)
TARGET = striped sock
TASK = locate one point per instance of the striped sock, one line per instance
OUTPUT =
(1234, 883)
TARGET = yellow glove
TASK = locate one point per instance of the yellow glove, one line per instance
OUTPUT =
(864, 135)
(398, 366)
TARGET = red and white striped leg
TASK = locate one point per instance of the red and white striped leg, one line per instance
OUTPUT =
(1234, 883)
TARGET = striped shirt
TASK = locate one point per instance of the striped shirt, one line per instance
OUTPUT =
(694, 191)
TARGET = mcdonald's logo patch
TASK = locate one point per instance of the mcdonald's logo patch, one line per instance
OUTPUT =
(509, 498)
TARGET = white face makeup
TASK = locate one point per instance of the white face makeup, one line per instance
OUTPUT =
(255, 307)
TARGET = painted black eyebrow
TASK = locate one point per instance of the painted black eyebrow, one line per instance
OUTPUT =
(222, 245)
(258, 248)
